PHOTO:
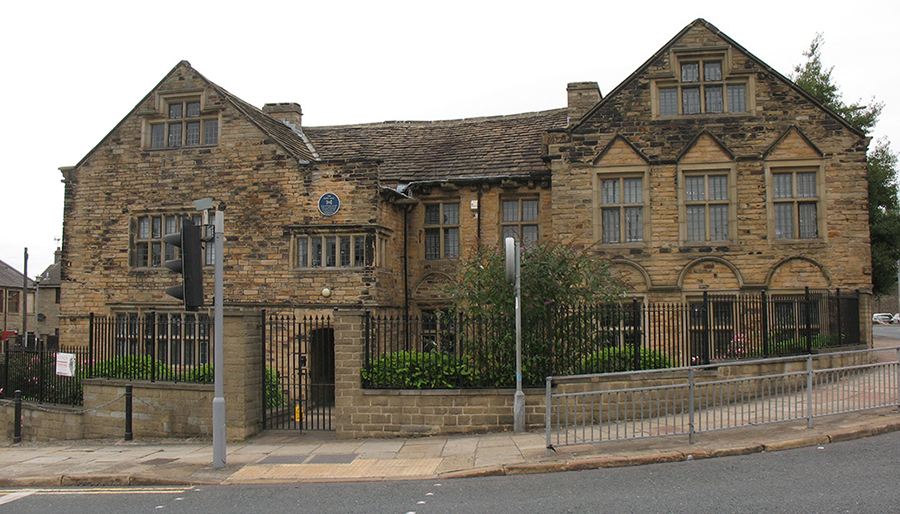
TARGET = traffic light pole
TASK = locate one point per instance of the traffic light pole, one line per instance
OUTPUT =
(218, 404)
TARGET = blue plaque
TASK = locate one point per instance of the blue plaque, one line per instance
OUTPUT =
(329, 204)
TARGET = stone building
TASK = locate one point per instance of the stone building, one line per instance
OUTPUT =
(705, 170)
(11, 307)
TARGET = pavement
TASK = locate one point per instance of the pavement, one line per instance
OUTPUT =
(291, 457)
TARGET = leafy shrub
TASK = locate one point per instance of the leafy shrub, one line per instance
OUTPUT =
(416, 370)
(201, 375)
(613, 359)
(274, 393)
(137, 367)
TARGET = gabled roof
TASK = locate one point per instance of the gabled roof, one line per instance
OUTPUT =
(709, 26)
(292, 141)
(490, 147)
(11, 277)
(289, 139)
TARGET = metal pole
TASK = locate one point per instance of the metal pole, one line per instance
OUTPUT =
(691, 392)
(519, 398)
(129, 394)
(37, 303)
(809, 392)
(17, 429)
(547, 421)
(25, 301)
(218, 404)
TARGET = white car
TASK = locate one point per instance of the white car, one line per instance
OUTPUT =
(883, 317)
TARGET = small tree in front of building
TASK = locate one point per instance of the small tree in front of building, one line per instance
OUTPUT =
(554, 277)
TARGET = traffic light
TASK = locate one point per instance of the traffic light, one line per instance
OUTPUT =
(189, 265)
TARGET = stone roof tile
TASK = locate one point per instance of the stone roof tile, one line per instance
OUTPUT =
(440, 150)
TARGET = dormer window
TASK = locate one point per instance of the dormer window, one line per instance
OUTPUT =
(184, 125)
(701, 87)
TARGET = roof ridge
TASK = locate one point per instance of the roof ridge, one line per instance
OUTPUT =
(439, 122)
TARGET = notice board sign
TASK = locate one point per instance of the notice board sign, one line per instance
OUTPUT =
(65, 364)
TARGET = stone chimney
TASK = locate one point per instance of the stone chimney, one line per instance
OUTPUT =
(288, 111)
(582, 96)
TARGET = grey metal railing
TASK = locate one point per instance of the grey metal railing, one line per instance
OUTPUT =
(687, 401)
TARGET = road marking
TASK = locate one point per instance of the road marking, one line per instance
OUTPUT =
(18, 495)
(21, 493)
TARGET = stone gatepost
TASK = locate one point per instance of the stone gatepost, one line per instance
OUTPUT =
(243, 373)
(349, 344)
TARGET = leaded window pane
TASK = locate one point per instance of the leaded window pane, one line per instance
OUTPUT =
(211, 132)
(634, 224)
(694, 189)
(690, 72)
(316, 252)
(529, 233)
(158, 135)
(784, 220)
(609, 191)
(718, 187)
(193, 109)
(737, 98)
(144, 228)
(451, 214)
(174, 134)
(529, 210)
(611, 229)
(140, 254)
(359, 251)
(632, 190)
(330, 252)
(432, 243)
(806, 185)
(157, 227)
(714, 101)
(192, 137)
(690, 100)
(345, 252)
(668, 101)
(433, 214)
(175, 111)
(155, 254)
(696, 223)
(808, 221)
(712, 71)
(511, 231)
(303, 252)
(783, 185)
(510, 211)
(451, 243)
(718, 222)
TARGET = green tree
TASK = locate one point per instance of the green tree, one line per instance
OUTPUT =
(554, 277)
(553, 274)
(813, 77)
(884, 210)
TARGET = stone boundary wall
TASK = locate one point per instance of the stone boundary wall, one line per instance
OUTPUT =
(402, 413)
(159, 409)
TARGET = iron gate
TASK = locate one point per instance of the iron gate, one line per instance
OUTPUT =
(298, 389)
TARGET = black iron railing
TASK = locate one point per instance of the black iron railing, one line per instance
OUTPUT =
(168, 347)
(460, 351)
(33, 371)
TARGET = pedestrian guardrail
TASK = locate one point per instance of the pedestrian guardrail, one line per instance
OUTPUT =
(584, 409)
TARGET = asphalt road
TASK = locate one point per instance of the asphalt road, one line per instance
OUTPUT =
(855, 476)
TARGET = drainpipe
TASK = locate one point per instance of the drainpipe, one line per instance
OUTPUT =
(406, 261)
(478, 214)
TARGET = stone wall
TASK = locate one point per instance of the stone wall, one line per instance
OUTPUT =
(162, 409)
(782, 128)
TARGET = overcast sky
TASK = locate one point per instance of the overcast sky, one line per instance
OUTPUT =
(75, 69)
